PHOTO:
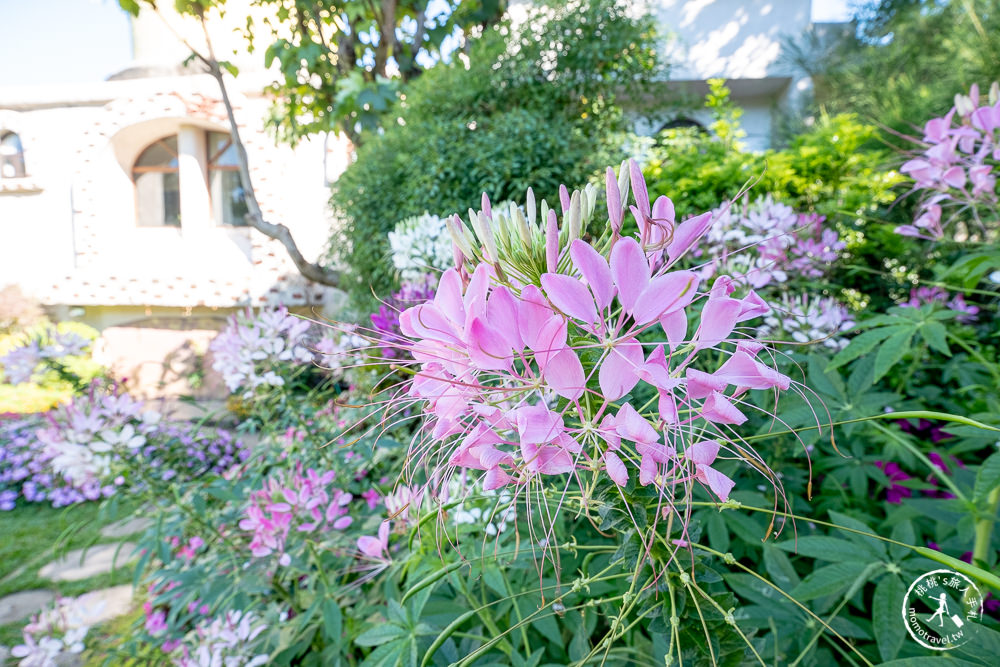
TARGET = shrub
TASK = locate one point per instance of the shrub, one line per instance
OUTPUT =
(536, 107)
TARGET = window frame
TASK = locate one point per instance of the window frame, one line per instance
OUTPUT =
(151, 169)
(17, 159)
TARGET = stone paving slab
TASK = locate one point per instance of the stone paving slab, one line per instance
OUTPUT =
(83, 563)
(111, 602)
(19, 606)
(127, 527)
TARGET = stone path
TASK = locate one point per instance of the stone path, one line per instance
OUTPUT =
(83, 563)
(126, 527)
(19, 606)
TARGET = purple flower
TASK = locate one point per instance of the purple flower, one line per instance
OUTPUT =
(896, 492)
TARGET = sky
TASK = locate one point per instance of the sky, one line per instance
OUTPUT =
(87, 40)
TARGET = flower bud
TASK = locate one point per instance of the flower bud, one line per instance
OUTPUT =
(552, 243)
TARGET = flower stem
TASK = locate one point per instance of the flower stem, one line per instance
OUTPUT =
(984, 530)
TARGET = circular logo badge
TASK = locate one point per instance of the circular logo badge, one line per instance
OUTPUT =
(938, 607)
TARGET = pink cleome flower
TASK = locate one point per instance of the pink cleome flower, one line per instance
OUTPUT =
(524, 379)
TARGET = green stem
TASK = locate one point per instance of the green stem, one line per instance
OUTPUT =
(915, 451)
(908, 414)
(984, 529)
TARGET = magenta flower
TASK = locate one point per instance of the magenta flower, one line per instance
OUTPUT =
(305, 502)
(894, 473)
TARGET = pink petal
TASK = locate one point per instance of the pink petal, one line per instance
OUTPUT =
(687, 234)
(744, 371)
(370, 546)
(664, 294)
(475, 294)
(564, 198)
(616, 469)
(620, 369)
(647, 470)
(427, 322)
(717, 321)
(449, 296)
(487, 349)
(703, 452)
(630, 271)
(501, 313)
(570, 296)
(552, 243)
(701, 384)
(614, 197)
(752, 306)
(656, 371)
(638, 187)
(667, 405)
(533, 311)
(716, 481)
(954, 177)
(496, 478)
(564, 373)
(551, 340)
(633, 426)
(595, 271)
(717, 408)
(675, 327)
(537, 424)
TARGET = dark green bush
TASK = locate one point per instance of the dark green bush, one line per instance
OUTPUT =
(536, 107)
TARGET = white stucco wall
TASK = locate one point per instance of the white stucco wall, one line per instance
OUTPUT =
(69, 229)
(733, 39)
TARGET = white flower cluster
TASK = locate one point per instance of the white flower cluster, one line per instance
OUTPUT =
(225, 642)
(249, 349)
(58, 632)
(85, 435)
(805, 318)
(20, 364)
(420, 245)
(339, 351)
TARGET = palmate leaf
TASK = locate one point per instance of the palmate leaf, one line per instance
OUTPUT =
(886, 603)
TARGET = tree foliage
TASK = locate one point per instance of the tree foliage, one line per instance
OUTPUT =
(534, 104)
(907, 59)
(344, 63)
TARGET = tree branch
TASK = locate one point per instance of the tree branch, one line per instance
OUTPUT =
(254, 217)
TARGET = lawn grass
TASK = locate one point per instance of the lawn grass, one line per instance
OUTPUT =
(34, 534)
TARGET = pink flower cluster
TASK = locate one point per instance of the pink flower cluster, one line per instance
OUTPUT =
(955, 167)
(966, 313)
(765, 242)
(528, 380)
(303, 502)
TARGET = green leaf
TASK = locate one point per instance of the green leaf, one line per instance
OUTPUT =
(380, 634)
(886, 619)
(333, 621)
(892, 351)
(822, 547)
(873, 544)
(936, 336)
(864, 343)
(987, 478)
(828, 580)
(779, 568)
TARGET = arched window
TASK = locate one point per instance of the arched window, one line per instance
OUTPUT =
(157, 185)
(11, 156)
(682, 122)
(228, 203)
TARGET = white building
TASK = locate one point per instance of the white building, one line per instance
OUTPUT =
(121, 198)
(742, 41)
